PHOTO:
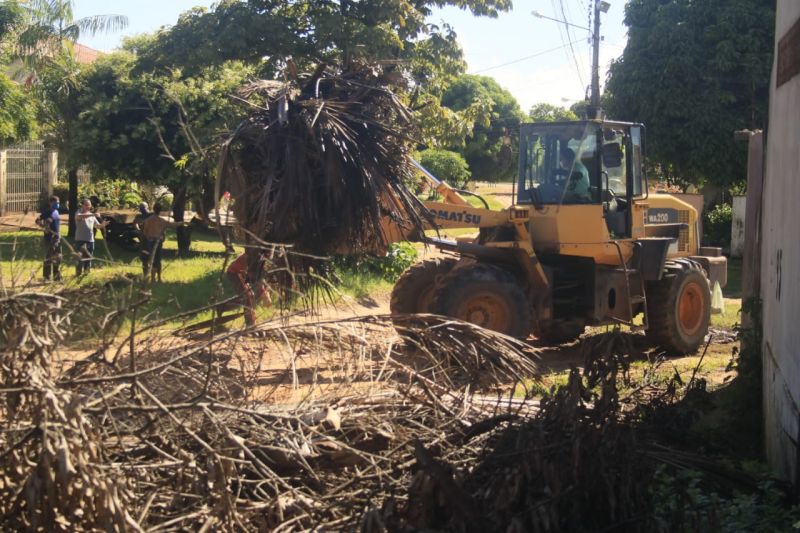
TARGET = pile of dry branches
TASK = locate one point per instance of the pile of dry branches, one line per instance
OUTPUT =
(320, 162)
(173, 434)
(329, 425)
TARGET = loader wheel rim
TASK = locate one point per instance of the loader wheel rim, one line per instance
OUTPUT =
(486, 310)
(690, 308)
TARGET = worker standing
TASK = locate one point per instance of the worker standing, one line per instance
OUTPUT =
(250, 287)
(85, 223)
(153, 230)
(50, 222)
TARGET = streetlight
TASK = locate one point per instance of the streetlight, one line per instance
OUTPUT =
(539, 15)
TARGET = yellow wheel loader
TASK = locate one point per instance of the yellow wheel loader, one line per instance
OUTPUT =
(584, 244)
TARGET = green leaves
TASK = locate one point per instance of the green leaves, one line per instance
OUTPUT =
(693, 73)
(446, 165)
(17, 113)
(490, 148)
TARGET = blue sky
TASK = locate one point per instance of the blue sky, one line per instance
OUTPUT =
(525, 54)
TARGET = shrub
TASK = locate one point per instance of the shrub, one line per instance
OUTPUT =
(400, 256)
(446, 165)
(717, 225)
(112, 193)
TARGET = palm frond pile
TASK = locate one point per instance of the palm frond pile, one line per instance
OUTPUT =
(321, 160)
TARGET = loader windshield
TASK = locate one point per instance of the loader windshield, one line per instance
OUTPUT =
(559, 163)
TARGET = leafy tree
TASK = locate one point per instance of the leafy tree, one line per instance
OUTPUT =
(58, 83)
(489, 150)
(427, 56)
(17, 114)
(545, 112)
(12, 17)
(164, 128)
(446, 165)
(314, 31)
(694, 72)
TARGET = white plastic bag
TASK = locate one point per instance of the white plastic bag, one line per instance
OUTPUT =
(717, 301)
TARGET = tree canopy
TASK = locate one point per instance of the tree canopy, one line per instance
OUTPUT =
(446, 165)
(269, 31)
(161, 127)
(545, 112)
(17, 114)
(693, 73)
(489, 149)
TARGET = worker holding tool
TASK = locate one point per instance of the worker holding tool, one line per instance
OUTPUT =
(50, 222)
(85, 223)
(250, 288)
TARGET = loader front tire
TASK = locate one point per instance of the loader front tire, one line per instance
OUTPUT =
(413, 291)
(679, 308)
(487, 296)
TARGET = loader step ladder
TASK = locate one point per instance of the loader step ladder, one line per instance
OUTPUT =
(640, 298)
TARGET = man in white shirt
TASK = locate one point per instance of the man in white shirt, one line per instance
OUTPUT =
(85, 222)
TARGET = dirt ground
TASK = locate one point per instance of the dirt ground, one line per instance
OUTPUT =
(290, 371)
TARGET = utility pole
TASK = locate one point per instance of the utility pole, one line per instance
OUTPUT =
(594, 111)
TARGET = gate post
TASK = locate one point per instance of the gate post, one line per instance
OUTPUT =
(51, 171)
(3, 181)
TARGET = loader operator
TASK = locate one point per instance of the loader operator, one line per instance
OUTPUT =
(577, 187)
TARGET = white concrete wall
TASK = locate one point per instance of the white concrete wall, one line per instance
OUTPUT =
(737, 226)
(780, 265)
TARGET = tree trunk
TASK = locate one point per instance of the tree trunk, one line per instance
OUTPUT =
(184, 233)
(207, 200)
(72, 200)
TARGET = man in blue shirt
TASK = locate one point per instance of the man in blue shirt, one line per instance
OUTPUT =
(50, 222)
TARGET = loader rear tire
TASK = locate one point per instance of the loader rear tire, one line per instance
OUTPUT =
(413, 291)
(679, 308)
(487, 296)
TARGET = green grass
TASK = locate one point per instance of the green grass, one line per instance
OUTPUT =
(494, 203)
(733, 289)
(188, 282)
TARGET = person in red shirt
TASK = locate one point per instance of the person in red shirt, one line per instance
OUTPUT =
(251, 289)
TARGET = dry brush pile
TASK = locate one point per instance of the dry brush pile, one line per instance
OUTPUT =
(163, 433)
(169, 433)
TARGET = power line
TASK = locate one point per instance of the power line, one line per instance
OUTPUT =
(578, 67)
(537, 54)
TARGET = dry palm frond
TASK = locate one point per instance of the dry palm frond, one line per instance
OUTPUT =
(320, 164)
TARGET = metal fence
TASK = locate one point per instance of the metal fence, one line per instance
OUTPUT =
(26, 176)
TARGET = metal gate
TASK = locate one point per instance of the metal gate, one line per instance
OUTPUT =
(26, 176)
